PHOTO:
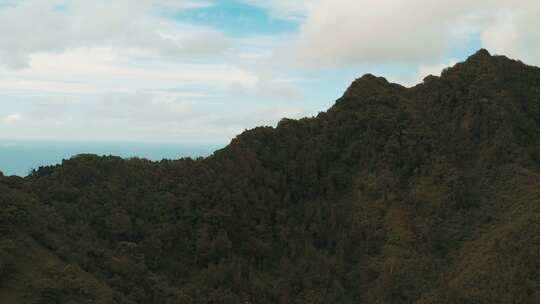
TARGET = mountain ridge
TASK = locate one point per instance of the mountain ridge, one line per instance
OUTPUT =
(394, 195)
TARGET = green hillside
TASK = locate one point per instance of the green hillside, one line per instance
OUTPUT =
(429, 194)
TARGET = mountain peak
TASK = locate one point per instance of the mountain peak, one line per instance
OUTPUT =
(481, 53)
(370, 80)
(482, 66)
(369, 84)
(481, 58)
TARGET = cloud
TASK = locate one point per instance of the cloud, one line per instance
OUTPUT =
(121, 70)
(148, 107)
(513, 32)
(235, 123)
(134, 95)
(11, 119)
(194, 42)
(344, 32)
(435, 69)
(149, 116)
(34, 26)
(341, 32)
(103, 70)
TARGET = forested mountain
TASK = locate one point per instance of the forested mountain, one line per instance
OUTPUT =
(429, 194)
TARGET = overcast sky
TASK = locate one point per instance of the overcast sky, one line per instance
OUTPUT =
(203, 71)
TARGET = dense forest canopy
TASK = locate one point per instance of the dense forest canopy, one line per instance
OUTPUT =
(427, 194)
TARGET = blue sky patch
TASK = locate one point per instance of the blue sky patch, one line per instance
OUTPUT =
(235, 19)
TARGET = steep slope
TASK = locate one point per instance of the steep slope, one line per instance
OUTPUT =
(394, 195)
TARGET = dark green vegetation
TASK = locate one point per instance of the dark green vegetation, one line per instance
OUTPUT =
(417, 195)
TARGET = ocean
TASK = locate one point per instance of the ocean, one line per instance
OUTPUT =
(19, 157)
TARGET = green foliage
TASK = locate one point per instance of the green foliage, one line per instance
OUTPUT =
(395, 195)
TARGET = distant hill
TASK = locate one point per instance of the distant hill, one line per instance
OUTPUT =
(429, 194)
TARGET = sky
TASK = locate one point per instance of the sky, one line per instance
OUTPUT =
(188, 71)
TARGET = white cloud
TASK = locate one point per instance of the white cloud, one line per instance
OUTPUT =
(119, 69)
(34, 26)
(11, 119)
(133, 94)
(99, 70)
(344, 32)
(150, 116)
(513, 32)
(235, 123)
(340, 32)
(435, 69)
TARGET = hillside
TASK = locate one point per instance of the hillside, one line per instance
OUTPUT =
(427, 194)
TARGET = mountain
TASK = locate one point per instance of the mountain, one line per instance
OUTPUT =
(427, 194)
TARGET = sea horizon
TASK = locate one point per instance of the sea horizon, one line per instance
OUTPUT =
(20, 157)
